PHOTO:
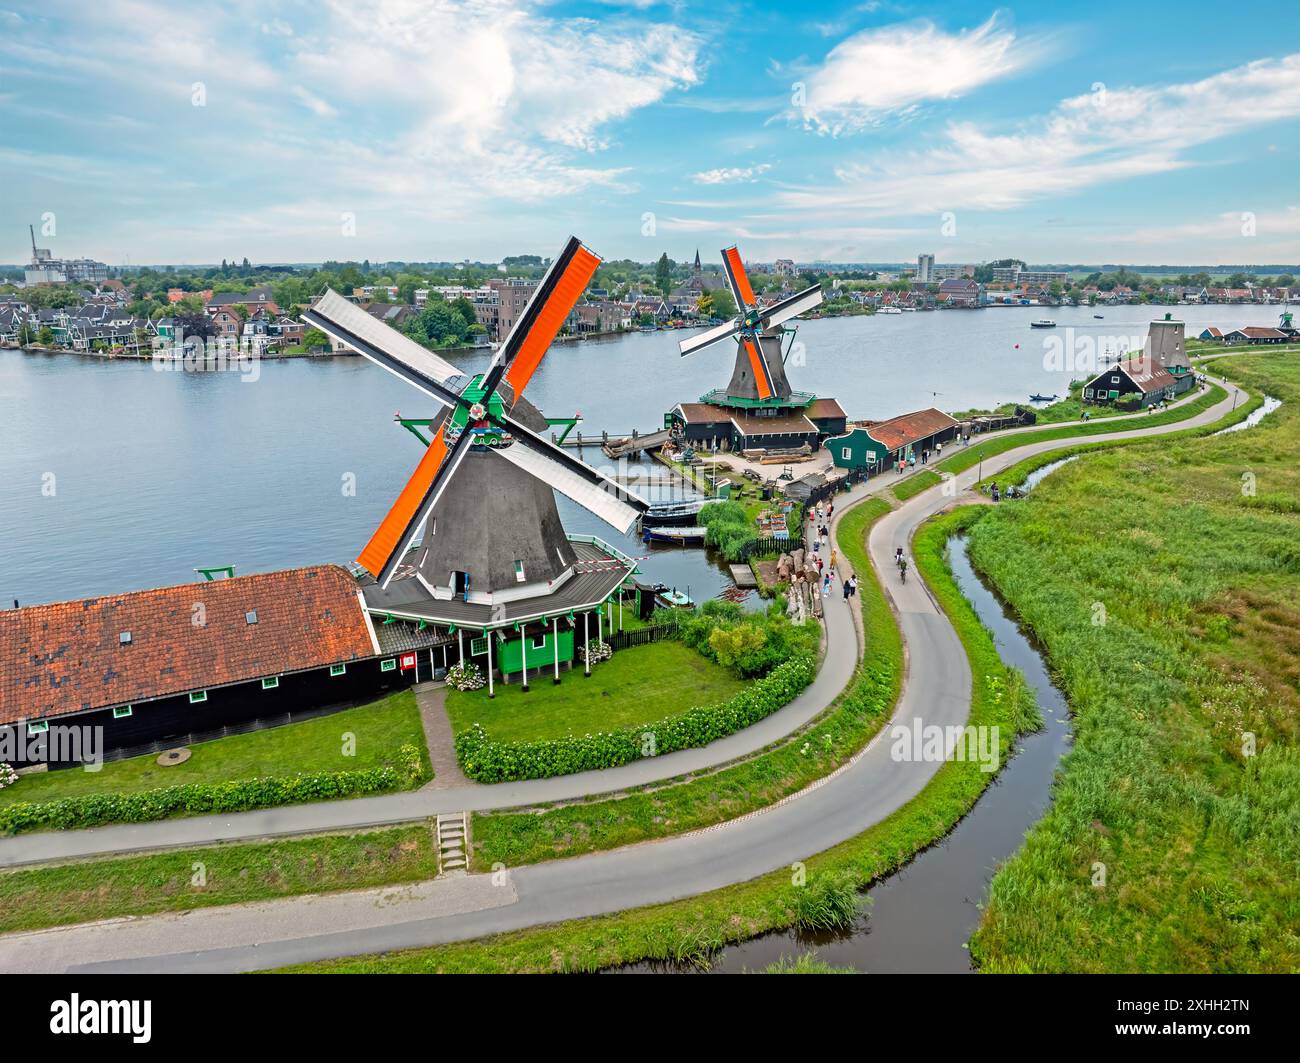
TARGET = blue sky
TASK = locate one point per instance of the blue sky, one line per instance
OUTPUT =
(161, 131)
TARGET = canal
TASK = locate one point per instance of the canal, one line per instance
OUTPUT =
(919, 919)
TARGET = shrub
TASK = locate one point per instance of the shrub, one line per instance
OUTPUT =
(596, 651)
(465, 675)
(7, 776)
(410, 763)
(488, 761)
(92, 810)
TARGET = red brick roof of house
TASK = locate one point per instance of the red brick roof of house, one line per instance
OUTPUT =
(1146, 374)
(69, 656)
(909, 428)
(825, 408)
(1261, 332)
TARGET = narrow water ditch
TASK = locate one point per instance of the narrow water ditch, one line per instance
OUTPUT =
(920, 918)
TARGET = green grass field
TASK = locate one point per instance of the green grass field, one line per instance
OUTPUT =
(310, 746)
(1163, 580)
(637, 684)
(202, 878)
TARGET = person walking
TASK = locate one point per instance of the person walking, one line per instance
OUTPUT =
(853, 584)
(848, 589)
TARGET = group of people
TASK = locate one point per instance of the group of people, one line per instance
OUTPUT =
(820, 517)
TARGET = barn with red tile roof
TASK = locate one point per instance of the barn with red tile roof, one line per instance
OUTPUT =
(165, 665)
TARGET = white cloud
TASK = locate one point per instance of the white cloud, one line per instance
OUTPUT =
(889, 71)
(1087, 140)
(730, 175)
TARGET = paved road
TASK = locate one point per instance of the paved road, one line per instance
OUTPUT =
(842, 651)
(936, 690)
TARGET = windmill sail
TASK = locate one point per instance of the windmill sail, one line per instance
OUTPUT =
(345, 322)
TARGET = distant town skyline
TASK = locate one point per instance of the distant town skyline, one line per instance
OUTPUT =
(399, 130)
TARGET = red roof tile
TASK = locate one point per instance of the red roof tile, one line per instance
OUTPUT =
(68, 656)
(909, 428)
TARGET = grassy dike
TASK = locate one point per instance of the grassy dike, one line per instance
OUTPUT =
(1185, 550)
(689, 930)
(59, 894)
(966, 457)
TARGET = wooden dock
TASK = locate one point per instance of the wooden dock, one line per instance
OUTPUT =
(744, 576)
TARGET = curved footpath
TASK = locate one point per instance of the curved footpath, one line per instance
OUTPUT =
(936, 690)
(840, 658)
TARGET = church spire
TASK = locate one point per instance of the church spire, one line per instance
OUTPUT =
(697, 260)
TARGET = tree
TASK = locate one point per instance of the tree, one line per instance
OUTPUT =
(664, 274)
(47, 336)
(313, 339)
(724, 305)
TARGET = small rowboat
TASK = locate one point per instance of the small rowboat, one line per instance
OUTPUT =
(675, 536)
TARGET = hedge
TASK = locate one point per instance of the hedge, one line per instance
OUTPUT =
(93, 810)
(487, 761)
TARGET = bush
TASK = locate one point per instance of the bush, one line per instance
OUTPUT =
(93, 810)
(748, 644)
(728, 528)
(488, 761)
(465, 675)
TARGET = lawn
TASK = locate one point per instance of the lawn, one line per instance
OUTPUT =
(637, 685)
(310, 746)
(1186, 551)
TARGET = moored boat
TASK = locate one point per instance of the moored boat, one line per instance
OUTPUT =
(1042, 323)
(676, 536)
(670, 514)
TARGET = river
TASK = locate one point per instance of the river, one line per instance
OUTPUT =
(115, 477)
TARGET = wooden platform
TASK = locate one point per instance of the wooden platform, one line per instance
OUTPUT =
(744, 576)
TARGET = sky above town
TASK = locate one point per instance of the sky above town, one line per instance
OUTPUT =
(152, 131)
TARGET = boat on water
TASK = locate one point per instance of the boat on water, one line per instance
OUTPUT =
(1100, 317)
(670, 514)
(1042, 398)
(908, 309)
(1042, 323)
(675, 536)
(676, 599)
(889, 310)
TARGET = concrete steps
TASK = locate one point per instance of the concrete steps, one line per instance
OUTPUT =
(451, 832)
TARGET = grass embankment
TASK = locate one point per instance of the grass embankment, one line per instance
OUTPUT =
(32, 898)
(1163, 582)
(316, 745)
(655, 681)
(528, 836)
(689, 930)
(965, 457)
(916, 483)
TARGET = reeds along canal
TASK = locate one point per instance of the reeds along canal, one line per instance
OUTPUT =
(920, 918)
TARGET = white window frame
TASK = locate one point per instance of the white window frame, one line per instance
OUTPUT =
(520, 575)
(121, 712)
(481, 640)
(538, 642)
(270, 682)
(389, 665)
(197, 697)
(338, 669)
(37, 727)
